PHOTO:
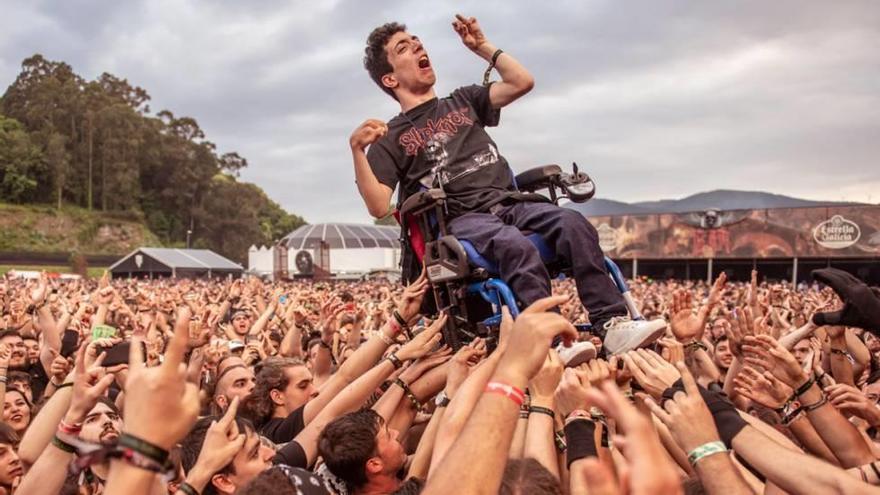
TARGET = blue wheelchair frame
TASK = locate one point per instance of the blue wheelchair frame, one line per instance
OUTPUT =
(450, 262)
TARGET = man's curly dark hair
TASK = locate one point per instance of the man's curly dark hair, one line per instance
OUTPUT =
(375, 56)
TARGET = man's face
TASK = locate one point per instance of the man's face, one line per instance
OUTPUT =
(300, 388)
(718, 328)
(241, 323)
(723, 356)
(18, 351)
(412, 68)
(33, 350)
(237, 382)
(801, 351)
(102, 425)
(10, 465)
(390, 450)
(250, 461)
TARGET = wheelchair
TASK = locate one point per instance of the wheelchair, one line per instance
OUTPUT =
(465, 284)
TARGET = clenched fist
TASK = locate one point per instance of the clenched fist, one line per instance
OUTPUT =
(367, 133)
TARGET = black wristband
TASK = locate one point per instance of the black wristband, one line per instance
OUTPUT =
(395, 361)
(542, 410)
(727, 419)
(153, 452)
(803, 388)
(495, 56)
(580, 440)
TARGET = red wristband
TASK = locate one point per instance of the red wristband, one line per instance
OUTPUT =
(509, 391)
(69, 429)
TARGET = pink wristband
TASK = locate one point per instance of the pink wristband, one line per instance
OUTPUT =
(509, 391)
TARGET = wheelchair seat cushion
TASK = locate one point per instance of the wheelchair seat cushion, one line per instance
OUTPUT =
(478, 260)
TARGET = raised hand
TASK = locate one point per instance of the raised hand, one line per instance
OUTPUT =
(651, 371)
(686, 415)
(764, 352)
(685, 325)
(572, 392)
(646, 468)
(469, 30)
(367, 133)
(424, 342)
(852, 402)
(160, 405)
(531, 336)
(223, 441)
(89, 384)
(411, 302)
(763, 388)
(543, 385)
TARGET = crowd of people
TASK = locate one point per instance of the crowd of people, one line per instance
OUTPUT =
(246, 386)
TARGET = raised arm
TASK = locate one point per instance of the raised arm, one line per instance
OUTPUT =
(515, 82)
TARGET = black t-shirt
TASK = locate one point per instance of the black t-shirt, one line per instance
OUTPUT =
(282, 430)
(475, 176)
(291, 454)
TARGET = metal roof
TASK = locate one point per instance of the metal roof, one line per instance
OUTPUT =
(343, 236)
(202, 259)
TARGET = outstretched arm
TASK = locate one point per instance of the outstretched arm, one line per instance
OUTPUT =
(515, 79)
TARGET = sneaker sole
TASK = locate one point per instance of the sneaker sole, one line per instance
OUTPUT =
(581, 358)
(632, 344)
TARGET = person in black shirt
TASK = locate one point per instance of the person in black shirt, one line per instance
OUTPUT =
(481, 195)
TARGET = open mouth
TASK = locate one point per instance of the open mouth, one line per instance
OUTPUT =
(15, 418)
(424, 62)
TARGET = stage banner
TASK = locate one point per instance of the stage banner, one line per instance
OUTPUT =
(847, 232)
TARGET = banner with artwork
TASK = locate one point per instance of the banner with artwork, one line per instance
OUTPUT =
(772, 233)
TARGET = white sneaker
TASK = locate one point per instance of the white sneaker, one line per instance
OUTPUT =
(577, 354)
(623, 334)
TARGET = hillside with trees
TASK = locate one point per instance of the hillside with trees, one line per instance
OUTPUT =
(94, 144)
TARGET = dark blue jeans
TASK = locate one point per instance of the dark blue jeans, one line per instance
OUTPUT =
(499, 238)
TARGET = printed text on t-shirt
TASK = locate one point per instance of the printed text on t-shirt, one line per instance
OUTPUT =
(415, 139)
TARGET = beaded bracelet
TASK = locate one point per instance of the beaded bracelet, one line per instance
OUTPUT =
(409, 394)
(816, 405)
(705, 450)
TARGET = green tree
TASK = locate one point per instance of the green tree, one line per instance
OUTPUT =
(21, 162)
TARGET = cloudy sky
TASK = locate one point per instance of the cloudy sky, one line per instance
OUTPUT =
(655, 99)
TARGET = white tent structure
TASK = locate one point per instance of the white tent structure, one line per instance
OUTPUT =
(343, 250)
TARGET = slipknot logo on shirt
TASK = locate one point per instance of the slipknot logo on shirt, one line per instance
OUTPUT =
(415, 139)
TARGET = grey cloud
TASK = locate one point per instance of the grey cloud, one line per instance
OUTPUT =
(655, 99)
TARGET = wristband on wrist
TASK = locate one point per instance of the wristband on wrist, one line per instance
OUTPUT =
(395, 361)
(706, 450)
(62, 445)
(3, 379)
(69, 429)
(816, 405)
(491, 66)
(409, 394)
(141, 446)
(841, 352)
(559, 440)
(401, 323)
(542, 410)
(802, 389)
(580, 440)
(509, 391)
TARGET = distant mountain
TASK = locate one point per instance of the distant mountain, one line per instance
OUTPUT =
(722, 199)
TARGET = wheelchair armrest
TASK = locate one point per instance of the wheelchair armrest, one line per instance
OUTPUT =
(422, 200)
(537, 178)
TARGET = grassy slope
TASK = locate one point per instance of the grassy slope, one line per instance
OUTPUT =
(41, 228)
